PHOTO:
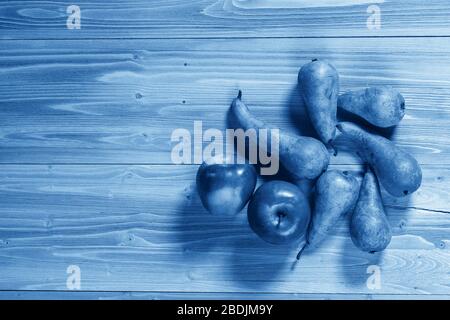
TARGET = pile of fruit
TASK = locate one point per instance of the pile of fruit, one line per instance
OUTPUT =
(279, 211)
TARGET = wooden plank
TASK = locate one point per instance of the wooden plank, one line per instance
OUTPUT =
(149, 295)
(110, 183)
(131, 228)
(108, 101)
(222, 18)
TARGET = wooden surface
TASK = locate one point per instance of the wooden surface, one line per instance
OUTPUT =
(181, 19)
(85, 122)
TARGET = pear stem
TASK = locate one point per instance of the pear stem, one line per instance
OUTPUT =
(299, 254)
(239, 96)
(333, 148)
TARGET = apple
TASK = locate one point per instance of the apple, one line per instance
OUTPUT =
(279, 212)
(225, 189)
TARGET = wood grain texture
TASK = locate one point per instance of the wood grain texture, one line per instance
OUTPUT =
(131, 228)
(221, 18)
(119, 101)
(85, 171)
(154, 295)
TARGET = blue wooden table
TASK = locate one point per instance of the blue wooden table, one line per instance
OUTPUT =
(86, 178)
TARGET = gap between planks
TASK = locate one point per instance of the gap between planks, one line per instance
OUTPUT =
(416, 208)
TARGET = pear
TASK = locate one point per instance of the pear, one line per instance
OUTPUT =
(369, 227)
(381, 106)
(398, 171)
(336, 194)
(302, 157)
(318, 82)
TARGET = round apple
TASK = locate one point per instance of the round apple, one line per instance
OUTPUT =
(279, 212)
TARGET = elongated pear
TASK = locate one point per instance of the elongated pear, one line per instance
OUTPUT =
(381, 106)
(303, 157)
(336, 194)
(369, 227)
(397, 170)
(318, 82)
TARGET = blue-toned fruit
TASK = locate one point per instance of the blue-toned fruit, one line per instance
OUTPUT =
(381, 106)
(302, 157)
(318, 82)
(225, 189)
(279, 212)
(398, 171)
(369, 227)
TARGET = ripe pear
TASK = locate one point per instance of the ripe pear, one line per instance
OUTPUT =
(302, 157)
(369, 227)
(336, 194)
(398, 171)
(318, 82)
(381, 106)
